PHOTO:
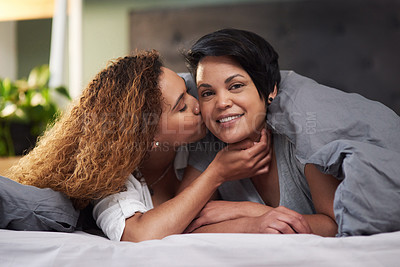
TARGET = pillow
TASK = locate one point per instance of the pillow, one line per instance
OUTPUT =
(24, 207)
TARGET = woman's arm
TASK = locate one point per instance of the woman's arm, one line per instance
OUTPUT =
(219, 211)
(174, 215)
(231, 216)
(322, 188)
(280, 220)
(258, 160)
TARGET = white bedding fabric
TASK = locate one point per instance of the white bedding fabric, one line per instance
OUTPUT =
(24, 248)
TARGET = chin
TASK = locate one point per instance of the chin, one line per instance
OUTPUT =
(231, 138)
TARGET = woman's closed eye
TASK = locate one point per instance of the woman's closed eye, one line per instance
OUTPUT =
(183, 109)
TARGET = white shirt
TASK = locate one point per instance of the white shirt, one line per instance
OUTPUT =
(111, 212)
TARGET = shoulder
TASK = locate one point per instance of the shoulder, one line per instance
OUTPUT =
(295, 87)
(111, 212)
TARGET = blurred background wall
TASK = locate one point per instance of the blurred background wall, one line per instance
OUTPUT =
(349, 44)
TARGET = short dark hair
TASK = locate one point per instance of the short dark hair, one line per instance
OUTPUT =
(256, 56)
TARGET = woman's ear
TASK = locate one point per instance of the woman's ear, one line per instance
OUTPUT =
(155, 144)
(272, 95)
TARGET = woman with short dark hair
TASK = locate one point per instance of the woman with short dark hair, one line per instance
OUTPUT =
(335, 155)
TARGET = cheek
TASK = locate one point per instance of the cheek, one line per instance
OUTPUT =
(258, 114)
(188, 120)
(260, 107)
(206, 113)
(206, 110)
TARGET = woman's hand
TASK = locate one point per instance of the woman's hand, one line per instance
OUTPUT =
(248, 217)
(278, 220)
(219, 211)
(243, 159)
(282, 220)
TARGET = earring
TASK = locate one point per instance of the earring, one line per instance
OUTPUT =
(157, 143)
(270, 99)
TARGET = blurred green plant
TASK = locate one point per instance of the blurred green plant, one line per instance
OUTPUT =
(27, 102)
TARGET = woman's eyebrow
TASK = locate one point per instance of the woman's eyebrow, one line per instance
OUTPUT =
(226, 81)
(204, 85)
(232, 77)
(178, 100)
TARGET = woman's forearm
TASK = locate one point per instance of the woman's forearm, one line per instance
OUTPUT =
(240, 225)
(322, 225)
(174, 215)
(276, 220)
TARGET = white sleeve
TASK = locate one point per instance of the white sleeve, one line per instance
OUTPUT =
(111, 212)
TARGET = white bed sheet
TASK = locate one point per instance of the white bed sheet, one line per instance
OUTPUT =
(25, 248)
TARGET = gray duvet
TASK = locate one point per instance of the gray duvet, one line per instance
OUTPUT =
(350, 137)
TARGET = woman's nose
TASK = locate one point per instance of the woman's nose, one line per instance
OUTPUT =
(223, 101)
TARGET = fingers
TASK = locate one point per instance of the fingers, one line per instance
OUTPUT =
(262, 170)
(263, 141)
(244, 144)
(282, 227)
(261, 148)
(285, 221)
(245, 158)
(296, 221)
(271, 231)
(263, 158)
(263, 166)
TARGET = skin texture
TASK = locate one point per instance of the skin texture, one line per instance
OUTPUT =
(225, 89)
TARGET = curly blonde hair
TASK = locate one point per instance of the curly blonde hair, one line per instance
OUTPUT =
(91, 150)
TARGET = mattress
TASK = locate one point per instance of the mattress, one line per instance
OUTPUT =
(34, 248)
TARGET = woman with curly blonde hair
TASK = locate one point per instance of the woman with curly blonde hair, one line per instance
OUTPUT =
(115, 148)
(90, 151)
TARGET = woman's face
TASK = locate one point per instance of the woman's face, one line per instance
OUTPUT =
(229, 101)
(180, 122)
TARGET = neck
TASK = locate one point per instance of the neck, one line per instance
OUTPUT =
(267, 184)
(156, 163)
(256, 135)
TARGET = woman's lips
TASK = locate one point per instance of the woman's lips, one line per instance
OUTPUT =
(228, 120)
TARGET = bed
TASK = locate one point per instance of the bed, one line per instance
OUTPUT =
(26, 207)
(36, 248)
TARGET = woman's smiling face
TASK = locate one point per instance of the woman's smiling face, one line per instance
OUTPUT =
(230, 104)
